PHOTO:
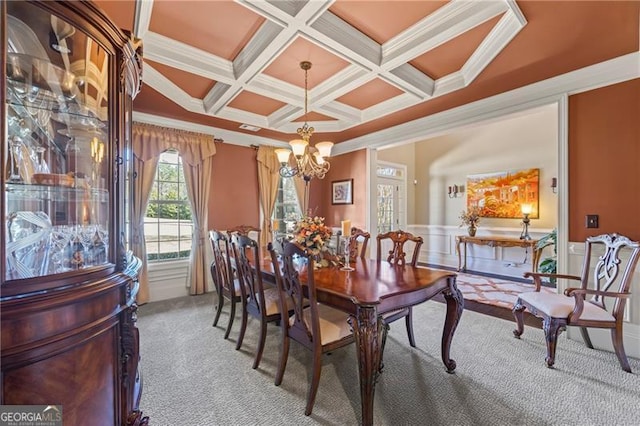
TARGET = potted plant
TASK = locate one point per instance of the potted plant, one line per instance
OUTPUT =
(470, 219)
(549, 264)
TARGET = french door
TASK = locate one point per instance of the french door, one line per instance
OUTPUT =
(391, 197)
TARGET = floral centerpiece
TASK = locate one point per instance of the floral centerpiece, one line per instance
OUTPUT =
(470, 219)
(313, 234)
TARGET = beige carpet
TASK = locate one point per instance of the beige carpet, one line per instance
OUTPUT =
(192, 376)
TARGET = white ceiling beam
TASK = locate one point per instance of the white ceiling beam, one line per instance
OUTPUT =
(446, 23)
(187, 58)
(142, 18)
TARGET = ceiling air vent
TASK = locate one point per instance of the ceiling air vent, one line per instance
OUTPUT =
(248, 127)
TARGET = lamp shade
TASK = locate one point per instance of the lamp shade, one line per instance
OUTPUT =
(526, 208)
(283, 155)
(318, 158)
(324, 148)
(298, 146)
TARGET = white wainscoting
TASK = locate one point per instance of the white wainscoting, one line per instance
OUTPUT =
(439, 248)
(168, 280)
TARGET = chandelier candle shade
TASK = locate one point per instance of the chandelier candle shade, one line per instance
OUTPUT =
(310, 161)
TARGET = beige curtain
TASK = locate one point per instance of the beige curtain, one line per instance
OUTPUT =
(145, 175)
(198, 181)
(299, 183)
(268, 179)
(196, 151)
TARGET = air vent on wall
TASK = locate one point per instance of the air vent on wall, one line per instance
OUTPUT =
(248, 127)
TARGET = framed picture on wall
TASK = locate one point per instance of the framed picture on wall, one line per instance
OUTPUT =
(342, 191)
(503, 194)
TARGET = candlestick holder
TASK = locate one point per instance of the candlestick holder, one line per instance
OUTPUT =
(346, 266)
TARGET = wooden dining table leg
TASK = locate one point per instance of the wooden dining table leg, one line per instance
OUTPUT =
(369, 332)
(455, 305)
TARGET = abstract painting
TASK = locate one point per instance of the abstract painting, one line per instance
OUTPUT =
(502, 194)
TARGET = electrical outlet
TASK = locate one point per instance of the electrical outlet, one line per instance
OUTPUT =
(592, 221)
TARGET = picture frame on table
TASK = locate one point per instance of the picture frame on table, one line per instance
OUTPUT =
(342, 191)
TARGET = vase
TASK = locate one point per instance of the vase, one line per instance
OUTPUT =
(472, 230)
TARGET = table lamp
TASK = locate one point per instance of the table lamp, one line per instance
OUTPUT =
(526, 211)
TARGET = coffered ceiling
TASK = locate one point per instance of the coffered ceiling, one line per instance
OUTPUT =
(234, 65)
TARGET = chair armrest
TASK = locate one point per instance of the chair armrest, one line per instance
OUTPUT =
(579, 296)
(537, 275)
(584, 291)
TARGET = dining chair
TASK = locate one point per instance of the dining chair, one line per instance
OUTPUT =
(611, 278)
(262, 300)
(397, 256)
(358, 241)
(226, 283)
(317, 327)
(244, 230)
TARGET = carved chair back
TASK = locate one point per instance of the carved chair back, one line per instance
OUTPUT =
(613, 272)
(397, 254)
(243, 230)
(247, 261)
(221, 271)
(358, 243)
(286, 267)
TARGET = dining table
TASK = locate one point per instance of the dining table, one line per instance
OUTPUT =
(373, 288)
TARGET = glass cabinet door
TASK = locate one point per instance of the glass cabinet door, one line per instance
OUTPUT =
(56, 146)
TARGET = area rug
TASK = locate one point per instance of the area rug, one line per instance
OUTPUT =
(499, 292)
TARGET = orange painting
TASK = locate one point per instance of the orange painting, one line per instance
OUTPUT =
(502, 194)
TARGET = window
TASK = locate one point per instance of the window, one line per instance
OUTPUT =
(287, 210)
(167, 223)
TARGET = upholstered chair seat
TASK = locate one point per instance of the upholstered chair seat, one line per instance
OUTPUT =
(560, 306)
(334, 324)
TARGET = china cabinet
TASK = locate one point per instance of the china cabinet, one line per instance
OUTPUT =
(68, 290)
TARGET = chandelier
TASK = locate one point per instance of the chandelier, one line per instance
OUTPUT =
(310, 161)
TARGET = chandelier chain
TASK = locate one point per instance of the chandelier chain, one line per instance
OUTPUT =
(305, 95)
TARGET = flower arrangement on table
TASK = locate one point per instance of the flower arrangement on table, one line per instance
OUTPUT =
(470, 218)
(313, 234)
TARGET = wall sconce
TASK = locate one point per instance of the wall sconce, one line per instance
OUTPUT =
(526, 211)
(554, 185)
(454, 190)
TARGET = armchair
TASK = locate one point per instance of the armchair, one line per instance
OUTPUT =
(611, 277)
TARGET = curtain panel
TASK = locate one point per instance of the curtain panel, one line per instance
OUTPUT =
(196, 150)
(268, 179)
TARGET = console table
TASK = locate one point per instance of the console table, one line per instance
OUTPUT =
(496, 241)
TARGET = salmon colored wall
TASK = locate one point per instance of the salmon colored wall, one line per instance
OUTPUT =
(234, 196)
(604, 160)
(235, 181)
(346, 166)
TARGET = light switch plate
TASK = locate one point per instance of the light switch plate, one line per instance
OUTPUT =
(592, 221)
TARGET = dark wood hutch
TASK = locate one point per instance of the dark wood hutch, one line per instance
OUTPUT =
(67, 295)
